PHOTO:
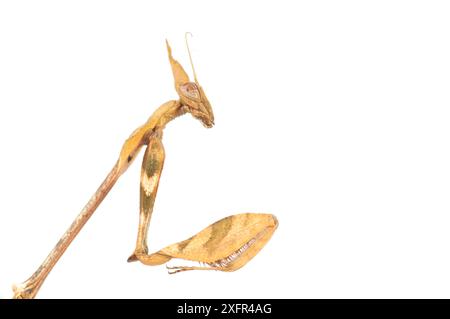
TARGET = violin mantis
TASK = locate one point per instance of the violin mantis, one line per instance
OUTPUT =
(226, 245)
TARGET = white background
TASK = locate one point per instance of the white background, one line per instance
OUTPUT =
(334, 116)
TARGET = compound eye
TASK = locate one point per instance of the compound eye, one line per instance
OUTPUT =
(190, 90)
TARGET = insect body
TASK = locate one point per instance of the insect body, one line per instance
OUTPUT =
(226, 245)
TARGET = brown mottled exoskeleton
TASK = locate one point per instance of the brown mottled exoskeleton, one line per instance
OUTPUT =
(226, 245)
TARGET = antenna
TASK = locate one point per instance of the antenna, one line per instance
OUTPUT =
(190, 57)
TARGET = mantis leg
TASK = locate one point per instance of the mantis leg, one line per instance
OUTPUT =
(177, 269)
(152, 166)
(226, 245)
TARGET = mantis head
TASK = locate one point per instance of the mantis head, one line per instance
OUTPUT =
(191, 94)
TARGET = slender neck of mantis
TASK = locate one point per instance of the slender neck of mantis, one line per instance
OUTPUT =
(166, 113)
(172, 114)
